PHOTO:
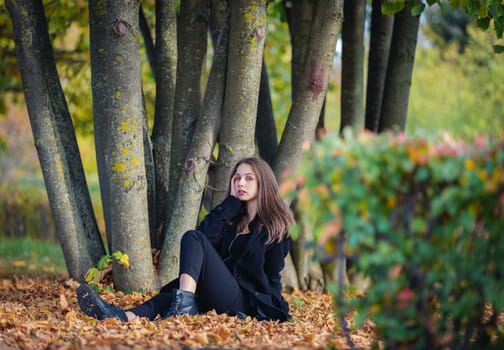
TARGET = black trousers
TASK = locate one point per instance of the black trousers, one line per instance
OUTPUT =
(216, 287)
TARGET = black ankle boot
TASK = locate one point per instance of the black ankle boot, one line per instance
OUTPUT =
(183, 302)
(94, 306)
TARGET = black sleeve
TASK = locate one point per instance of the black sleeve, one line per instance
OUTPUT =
(274, 263)
(217, 219)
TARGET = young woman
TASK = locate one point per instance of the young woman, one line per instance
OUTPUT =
(230, 263)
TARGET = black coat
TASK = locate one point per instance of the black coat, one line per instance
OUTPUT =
(258, 269)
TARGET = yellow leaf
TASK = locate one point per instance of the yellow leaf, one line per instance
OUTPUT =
(91, 274)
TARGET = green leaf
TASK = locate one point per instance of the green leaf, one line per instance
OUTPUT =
(473, 7)
(361, 317)
(483, 23)
(417, 8)
(419, 225)
(498, 48)
(104, 262)
(392, 6)
(422, 174)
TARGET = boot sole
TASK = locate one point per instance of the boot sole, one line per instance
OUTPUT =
(87, 299)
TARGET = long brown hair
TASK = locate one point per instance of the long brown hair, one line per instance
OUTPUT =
(271, 209)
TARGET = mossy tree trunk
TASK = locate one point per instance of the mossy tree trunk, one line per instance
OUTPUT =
(193, 178)
(118, 122)
(307, 272)
(165, 63)
(310, 89)
(192, 45)
(246, 46)
(55, 140)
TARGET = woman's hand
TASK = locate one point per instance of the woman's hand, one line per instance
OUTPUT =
(232, 187)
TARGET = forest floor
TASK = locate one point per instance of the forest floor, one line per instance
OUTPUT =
(42, 313)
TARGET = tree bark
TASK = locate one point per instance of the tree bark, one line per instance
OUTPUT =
(300, 261)
(151, 177)
(246, 47)
(299, 17)
(399, 71)
(219, 10)
(148, 42)
(118, 120)
(55, 140)
(193, 179)
(265, 129)
(299, 130)
(352, 78)
(379, 48)
(192, 46)
(166, 70)
(310, 91)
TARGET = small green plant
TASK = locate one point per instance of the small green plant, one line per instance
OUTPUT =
(99, 275)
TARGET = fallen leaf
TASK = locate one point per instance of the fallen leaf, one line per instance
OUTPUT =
(63, 301)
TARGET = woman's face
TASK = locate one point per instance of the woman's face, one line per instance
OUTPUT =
(244, 183)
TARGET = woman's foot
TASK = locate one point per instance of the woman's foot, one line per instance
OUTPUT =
(94, 306)
(183, 302)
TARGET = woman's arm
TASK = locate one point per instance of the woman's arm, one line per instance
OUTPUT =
(217, 219)
(274, 264)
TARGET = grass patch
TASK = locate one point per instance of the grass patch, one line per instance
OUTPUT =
(30, 256)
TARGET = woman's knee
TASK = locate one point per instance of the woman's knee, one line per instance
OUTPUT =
(191, 236)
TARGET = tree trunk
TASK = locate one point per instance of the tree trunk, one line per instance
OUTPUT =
(379, 48)
(246, 47)
(265, 129)
(310, 91)
(192, 45)
(352, 78)
(299, 17)
(309, 273)
(299, 131)
(193, 179)
(399, 71)
(166, 70)
(55, 140)
(148, 42)
(151, 177)
(219, 11)
(118, 121)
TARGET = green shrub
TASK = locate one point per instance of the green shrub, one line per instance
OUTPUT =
(424, 221)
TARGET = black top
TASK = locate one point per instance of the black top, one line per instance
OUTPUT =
(236, 249)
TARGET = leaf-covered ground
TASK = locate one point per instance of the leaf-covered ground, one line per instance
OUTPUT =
(38, 313)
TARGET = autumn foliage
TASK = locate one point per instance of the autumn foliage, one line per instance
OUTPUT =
(422, 220)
